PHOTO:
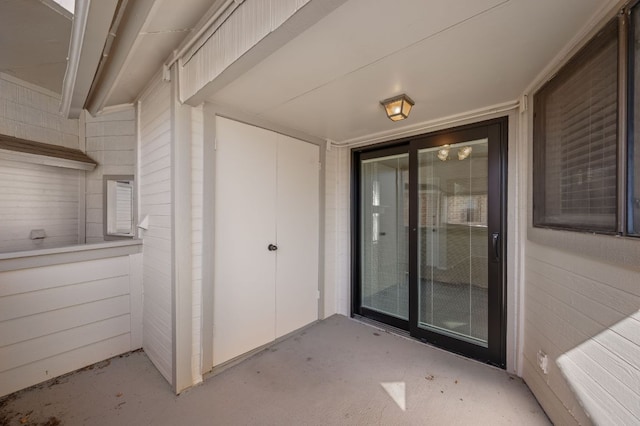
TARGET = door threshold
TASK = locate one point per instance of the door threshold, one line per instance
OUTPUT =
(405, 334)
(384, 327)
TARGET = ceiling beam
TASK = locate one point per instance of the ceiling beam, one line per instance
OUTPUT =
(125, 33)
(301, 20)
(89, 34)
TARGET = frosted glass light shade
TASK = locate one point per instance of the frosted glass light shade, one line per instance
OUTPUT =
(398, 107)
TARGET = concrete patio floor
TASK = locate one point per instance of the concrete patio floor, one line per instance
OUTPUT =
(336, 372)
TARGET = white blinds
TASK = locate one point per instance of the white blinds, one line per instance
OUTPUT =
(576, 140)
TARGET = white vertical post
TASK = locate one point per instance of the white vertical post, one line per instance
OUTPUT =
(181, 248)
(82, 183)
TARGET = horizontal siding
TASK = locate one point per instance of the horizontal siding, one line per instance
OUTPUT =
(155, 202)
(35, 196)
(30, 112)
(17, 355)
(111, 141)
(63, 363)
(28, 280)
(59, 318)
(42, 324)
(18, 305)
(584, 314)
(243, 29)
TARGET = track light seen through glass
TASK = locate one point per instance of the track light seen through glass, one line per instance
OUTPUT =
(398, 107)
(464, 152)
(443, 153)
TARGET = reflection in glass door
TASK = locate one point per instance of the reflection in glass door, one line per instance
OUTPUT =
(384, 235)
(452, 240)
(429, 238)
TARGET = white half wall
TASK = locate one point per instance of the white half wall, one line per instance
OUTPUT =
(63, 313)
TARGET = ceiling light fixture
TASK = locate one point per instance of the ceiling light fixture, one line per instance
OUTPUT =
(398, 107)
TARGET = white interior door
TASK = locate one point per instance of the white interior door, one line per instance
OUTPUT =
(297, 216)
(244, 303)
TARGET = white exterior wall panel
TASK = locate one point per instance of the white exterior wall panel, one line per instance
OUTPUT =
(58, 318)
(585, 315)
(244, 28)
(331, 233)
(111, 141)
(197, 198)
(155, 202)
(31, 112)
(34, 196)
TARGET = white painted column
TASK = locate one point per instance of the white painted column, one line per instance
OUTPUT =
(182, 302)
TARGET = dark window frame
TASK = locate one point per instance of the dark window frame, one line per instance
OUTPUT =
(541, 217)
(632, 146)
(627, 216)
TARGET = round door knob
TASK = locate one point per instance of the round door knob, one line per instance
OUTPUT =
(272, 247)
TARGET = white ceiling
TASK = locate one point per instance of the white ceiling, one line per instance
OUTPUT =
(34, 41)
(450, 57)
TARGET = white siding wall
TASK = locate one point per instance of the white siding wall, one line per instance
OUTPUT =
(330, 232)
(197, 175)
(155, 201)
(581, 302)
(59, 318)
(111, 141)
(586, 313)
(248, 24)
(36, 196)
(343, 266)
(337, 231)
(31, 112)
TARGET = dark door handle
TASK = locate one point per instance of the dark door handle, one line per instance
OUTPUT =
(272, 247)
(495, 243)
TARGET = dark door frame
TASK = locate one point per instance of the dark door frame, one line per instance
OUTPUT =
(496, 130)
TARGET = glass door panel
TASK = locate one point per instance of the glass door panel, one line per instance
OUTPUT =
(429, 237)
(452, 240)
(384, 233)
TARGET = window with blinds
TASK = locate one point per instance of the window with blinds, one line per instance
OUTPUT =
(634, 146)
(575, 140)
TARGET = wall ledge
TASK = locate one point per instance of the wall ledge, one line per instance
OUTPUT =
(76, 253)
(619, 250)
(16, 149)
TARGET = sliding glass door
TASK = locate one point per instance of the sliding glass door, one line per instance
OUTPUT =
(452, 225)
(430, 238)
(384, 236)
